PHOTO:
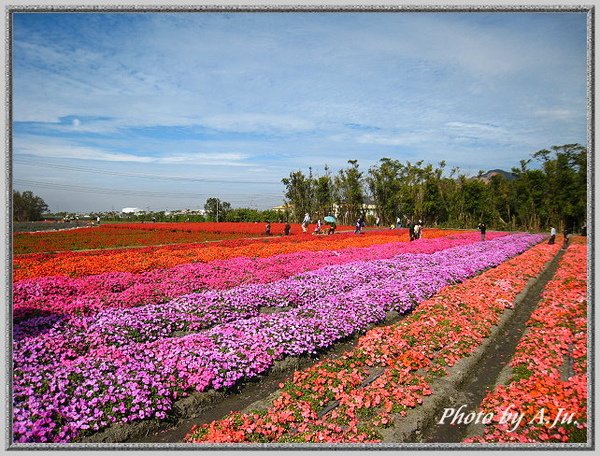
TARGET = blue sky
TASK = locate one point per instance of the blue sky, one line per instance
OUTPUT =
(163, 110)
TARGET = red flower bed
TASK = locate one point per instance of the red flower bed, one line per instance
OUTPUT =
(390, 370)
(77, 264)
(255, 228)
(105, 236)
(548, 389)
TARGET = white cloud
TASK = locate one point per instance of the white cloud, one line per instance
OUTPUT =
(225, 159)
(400, 139)
(555, 114)
(478, 130)
(65, 149)
(257, 123)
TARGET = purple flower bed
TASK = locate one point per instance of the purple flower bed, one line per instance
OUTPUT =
(119, 289)
(141, 380)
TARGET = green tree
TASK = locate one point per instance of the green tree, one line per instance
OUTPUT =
(323, 194)
(216, 209)
(502, 206)
(565, 197)
(349, 193)
(528, 194)
(384, 183)
(298, 188)
(27, 207)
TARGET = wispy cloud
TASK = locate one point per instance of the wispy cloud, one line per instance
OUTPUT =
(557, 113)
(52, 148)
(398, 139)
(64, 149)
(257, 123)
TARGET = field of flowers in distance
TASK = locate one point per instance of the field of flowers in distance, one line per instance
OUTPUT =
(111, 235)
(112, 336)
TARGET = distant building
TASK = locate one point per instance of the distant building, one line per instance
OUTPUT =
(281, 208)
(132, 210)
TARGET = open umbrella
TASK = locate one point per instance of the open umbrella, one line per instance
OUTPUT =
(330, 219)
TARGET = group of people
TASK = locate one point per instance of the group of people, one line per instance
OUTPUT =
(415, 230)
(552, 239)
(286, 229)
(319, 228)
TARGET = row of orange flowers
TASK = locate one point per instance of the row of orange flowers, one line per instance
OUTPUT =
(546, 399)
(77, 264)
(409, 356)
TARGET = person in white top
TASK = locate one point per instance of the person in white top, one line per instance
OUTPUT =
(552, 235)
(305, 222)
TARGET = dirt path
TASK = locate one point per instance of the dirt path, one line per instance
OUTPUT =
(492, 367)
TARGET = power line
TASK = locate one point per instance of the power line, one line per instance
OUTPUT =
(138, 175)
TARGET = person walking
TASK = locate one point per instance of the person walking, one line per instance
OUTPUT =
(565, 238)
(305, 222)
(287, 228)
(481, 227)
(411, 230)
(552, 235)
(268, 229)
(377, 221)
(398, 222)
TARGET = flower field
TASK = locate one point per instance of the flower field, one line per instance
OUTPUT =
(246, 228)
(57, 295)
(105, 236)
(78, 264)
(118, 336)
(408, 355)
(549, 382)
(109, 235)
(121, 347)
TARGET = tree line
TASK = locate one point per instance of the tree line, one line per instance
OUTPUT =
(553, 193)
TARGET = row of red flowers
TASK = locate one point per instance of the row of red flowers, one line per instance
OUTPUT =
(408, 356)
(104, 236)
(547, 394)
(219, 227)
(141, 234)
(78, 264)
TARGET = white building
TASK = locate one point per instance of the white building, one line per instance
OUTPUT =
(132, 210)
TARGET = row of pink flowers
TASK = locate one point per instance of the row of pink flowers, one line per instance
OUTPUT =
(549, 382)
